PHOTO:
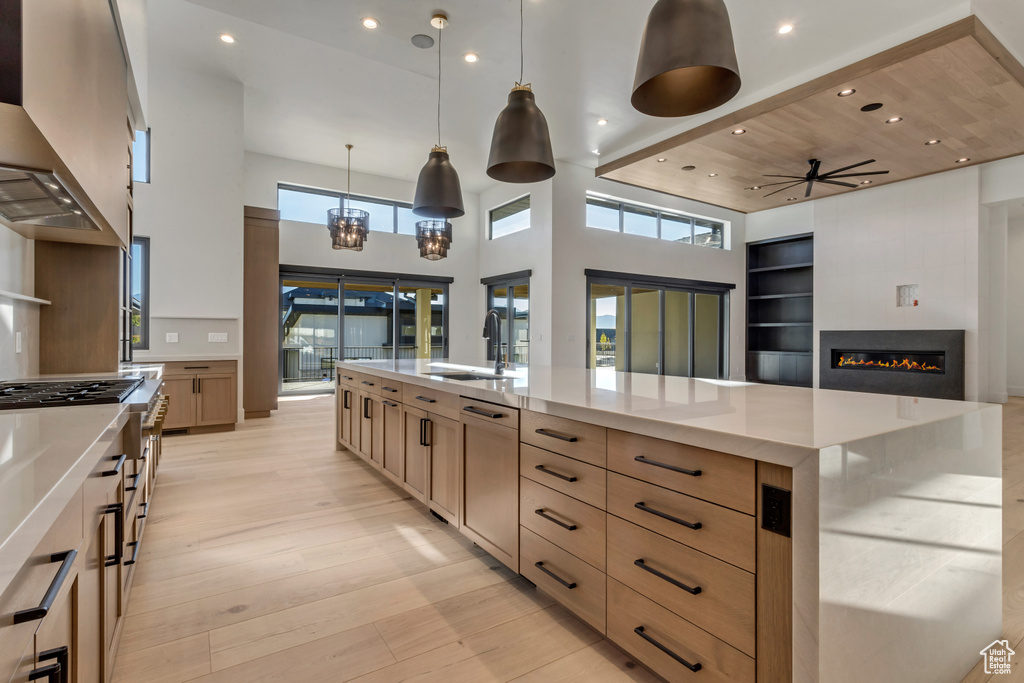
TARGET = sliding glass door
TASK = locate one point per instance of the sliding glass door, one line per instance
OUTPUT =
(510, 297)
(309, 334)
(658, 327)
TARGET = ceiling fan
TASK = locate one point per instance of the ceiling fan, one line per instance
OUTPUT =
(814, 177)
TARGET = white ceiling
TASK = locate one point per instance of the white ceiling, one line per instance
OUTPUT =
(316, 79)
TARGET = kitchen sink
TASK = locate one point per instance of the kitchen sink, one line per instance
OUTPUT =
(465, 376)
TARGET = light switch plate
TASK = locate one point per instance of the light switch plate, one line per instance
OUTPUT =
(218, 337)
(172, 337)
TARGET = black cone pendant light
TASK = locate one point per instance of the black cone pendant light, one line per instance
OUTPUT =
(521, 144)
(687, 59)
(349, 227)
(438, 191)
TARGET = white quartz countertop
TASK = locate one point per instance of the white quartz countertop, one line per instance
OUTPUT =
(46, 454)
(772, 423)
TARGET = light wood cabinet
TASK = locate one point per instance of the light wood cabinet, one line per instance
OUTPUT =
(348, 423)
(369, 406)
(216, 402)
(415, 452)
(389, 435)
(490, 486)
(202, 394)
(444, 458)
(181, 405)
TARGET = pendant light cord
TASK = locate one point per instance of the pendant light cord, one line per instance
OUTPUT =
(520, 41)
(348, 190)
(439, 87)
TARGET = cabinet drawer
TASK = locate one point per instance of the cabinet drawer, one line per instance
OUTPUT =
(368, 384)
(571, 477)
(489, 412)
(723, 533)
(200, 367)
(347, 378)
(566, 522)
(438, 402)
(721, 478)
(630, 612)
(578, 440)
(391, 390)
(714, 595)
(566, 578)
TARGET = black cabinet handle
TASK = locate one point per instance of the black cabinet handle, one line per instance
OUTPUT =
(553, 435)
(369, 384)
(145, 511)
(61, 655)
(477, 411)
(135, 554)
(67, 560)
(665, 515)
(554, 474)
(52, 673)
(569, 527)
(200, 385)
(345, 397)
(193, 385)
(425, 399)
(647, 568)
(145, 454)
(197, 367)
(424, 439)
(116, 509)
(666, 466)
(117, 468)
(390, 390)
(639, 630)
(366, 408)
(338, 379)
(135, 486)
(389, 404)
(347, 377)
(556, 577)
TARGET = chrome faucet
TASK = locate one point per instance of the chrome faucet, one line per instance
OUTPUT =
(492, 333)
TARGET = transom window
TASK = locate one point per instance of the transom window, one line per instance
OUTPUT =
(606, 213)
(308, 205)
(510, 218)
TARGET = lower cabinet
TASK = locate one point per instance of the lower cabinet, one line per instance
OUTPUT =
(368, 406)
(348, 421)
(201, 393)
(444, 458)
(415, 452)
(389, 435)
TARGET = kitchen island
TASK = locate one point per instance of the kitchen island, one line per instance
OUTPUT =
(751, 532)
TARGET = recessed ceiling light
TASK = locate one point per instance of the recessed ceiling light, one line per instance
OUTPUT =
(791, 199)
(596, 151)
(370, 22)
(602, 122)
(662, 160)
(52, 186)
(77, 212)
(847, 92)
(932, 142)
(866, 182)
(712, 175)
(65, 200)
(471, 57)
(786, 28)
(689, 168)
(755, 187)
(227, 38)
(895, 119)
(963, 160)
(739, 131)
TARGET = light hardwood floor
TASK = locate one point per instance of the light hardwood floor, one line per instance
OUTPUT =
(269, 556)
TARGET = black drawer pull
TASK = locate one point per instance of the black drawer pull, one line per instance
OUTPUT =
(117, 468)
(366, 408)
(347, 377)
(345, 402)
(197, 367)
(66, 559)
(556, 577)
(639, 630)
(425, 399)
(477, 411)
(52, 673)
(647, 568)
(666, 466)
(554, 474)
(569, 527)
(665, 515)
(369, 384)
(145, 511)
(116, 509)
(61, 655)
(560, 437)
(389, 389)
(135, 554)
(135, 485)
(389, 404)
(145, 454)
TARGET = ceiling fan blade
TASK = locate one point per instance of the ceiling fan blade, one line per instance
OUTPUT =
(782, 189)
(835, 182)
(776, 175)
(815, 167)
(847, 168)
(784, 182)
(854, 175)
(810, 186)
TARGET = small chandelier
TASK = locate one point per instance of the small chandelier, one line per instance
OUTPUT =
(349, 227)
(434, 237)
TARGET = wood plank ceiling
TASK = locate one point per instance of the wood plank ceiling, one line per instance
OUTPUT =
(958, 85)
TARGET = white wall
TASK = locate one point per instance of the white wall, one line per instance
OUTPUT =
(305, 244)
(1015, 308)
(17, 275)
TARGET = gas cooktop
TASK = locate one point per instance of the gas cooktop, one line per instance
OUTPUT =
(15, 395)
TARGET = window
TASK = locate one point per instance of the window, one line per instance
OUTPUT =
(510, 218)
(140, 157)
(604, 213)
(306, 205)
(511, 294)
(661, 326)
(140, 293)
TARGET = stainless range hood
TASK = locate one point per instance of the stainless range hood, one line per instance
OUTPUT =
(40, 198)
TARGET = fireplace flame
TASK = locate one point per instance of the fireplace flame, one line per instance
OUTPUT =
(905, 364)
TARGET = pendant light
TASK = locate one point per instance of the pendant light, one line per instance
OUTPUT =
(521, 144)
(687, 61)
(438, 191)
(434, 237)
(349, 227)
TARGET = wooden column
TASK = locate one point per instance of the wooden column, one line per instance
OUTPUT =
(260, 341)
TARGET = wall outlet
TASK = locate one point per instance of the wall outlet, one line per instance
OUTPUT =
(218, 337)
(172, 337)
(776, 509)
(17, 342)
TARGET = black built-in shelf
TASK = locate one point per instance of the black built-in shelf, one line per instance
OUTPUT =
(780, 310)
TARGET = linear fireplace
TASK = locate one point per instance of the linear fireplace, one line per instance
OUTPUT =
(928, 363)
